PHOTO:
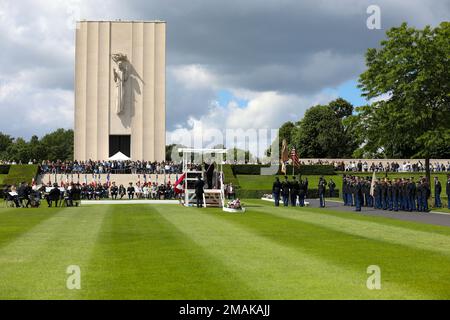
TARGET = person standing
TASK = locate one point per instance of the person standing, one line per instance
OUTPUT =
(332, 187)
(344, 190)
(199, 191)
(322, 189)
(358, 190)
(276, 191)
(426, 192)
(448, 191)
(295, 189)
(302, 193)
(285, 188)
(437, 193)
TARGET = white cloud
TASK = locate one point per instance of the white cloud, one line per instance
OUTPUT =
(278, 55)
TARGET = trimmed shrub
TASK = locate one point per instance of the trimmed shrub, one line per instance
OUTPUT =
(20, 173)
(313, 170)
(229, 175)
(258, 194)
(4, 169)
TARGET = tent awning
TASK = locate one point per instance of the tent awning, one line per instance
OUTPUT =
(119, 156)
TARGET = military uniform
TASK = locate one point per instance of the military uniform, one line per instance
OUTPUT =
(285, 188)
(276, 190)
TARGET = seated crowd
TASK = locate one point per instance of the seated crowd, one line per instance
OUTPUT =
(26, 196)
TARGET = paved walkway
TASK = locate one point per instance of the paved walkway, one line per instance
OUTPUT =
(428, 218)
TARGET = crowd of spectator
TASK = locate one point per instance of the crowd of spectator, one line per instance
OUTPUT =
(111, 167)
(26, 196)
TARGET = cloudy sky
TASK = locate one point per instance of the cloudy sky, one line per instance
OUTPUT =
(231, 64)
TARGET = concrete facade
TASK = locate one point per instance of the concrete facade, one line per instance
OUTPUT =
(144, 100)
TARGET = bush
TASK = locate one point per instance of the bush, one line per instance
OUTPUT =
(258, 194)
(312, 170)
(4, 169)
(20, 173)
(229, 175)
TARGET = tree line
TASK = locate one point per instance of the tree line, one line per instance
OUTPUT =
(57, 145)
(408, 83)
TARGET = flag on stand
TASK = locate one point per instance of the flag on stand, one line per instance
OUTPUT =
(295, 159)
(178, 187)
(284, 156)
(372, 186)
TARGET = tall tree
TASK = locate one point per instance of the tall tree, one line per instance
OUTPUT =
(409, 77)
(324, 132)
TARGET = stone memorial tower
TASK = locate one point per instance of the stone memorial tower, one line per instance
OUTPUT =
(120, 90)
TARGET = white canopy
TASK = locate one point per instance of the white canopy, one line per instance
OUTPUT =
(119, 157)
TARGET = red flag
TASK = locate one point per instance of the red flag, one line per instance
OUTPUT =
(295, 159)
(177, 186)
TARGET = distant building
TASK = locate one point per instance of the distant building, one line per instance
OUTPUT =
(120, 91)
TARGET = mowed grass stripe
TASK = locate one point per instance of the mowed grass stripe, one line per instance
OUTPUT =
(34, 265)
(407, 272)
(371, 228)
(140, 255)
(14, 222)
(276, 270)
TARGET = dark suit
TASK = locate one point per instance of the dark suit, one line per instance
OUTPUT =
(53, 196)
(199, 191)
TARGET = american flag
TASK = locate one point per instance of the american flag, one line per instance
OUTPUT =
(294, 157)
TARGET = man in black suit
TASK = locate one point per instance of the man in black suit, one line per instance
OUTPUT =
(54, 196)
(209, 168)
(131, 191)
(114, 191)
(199, 191)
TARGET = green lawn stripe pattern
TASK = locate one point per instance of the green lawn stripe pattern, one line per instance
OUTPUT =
(420, 270)
(172, 252)
(277, 270)
(406, 236)
(140, 255)
(34, 265)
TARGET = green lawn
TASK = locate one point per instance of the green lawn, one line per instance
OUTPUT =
(171, 252)
(2, 177)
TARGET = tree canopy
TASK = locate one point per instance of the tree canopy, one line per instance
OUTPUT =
(54, 146)
(409, 77)
(323, 133)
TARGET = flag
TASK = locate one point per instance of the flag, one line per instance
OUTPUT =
(295, 159)
(108, 179)
(372, 186)
(177, 186)
(284, 156)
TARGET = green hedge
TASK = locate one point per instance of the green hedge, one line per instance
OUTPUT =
(312, 170)
(258, 194)
(4, 169)
(317, 170)
(229, 175)
(20, 173)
